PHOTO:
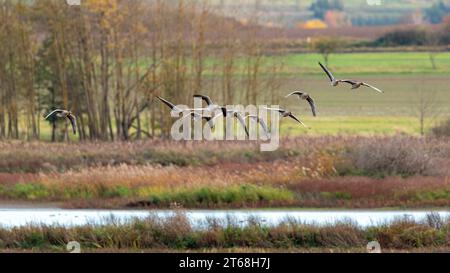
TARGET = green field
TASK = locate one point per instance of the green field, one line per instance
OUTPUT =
(353, 126)
(369, 63)
(373, 63)
(342, 64)
(406, 78)
(343, 125)
(403, 77)
(401, 98)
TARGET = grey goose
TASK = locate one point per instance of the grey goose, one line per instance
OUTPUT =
(173, 107)
(353, 83)
(304, 96)
(65, 114)
(287, 114)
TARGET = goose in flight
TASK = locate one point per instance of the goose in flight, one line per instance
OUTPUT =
(304, 96)
(173, 107)
(287, 114)
(59, 113)
(226, 112)
(212, 107)
(242, 121)
(261, 122)
(170, 105)
(353, 83)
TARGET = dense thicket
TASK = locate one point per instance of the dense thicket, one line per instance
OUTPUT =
(415, 37)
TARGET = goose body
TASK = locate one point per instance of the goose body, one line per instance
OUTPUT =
(287, 114)
(211, 106)
(65, 114)
(305, 96)
(353, 83)
(358, 84)
(261, 122)
(235, 114)
(194, 115)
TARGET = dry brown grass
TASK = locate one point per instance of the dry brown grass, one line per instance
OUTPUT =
(365, 192)
(121, 185)
(318, 171)
(32, 157)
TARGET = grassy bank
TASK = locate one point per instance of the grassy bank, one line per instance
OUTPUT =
(344, 192)
(176, 233)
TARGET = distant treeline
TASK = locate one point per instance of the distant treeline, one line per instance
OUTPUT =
(386, 14)
(289, 13)
(416, 36)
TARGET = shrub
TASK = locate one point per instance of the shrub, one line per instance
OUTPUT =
(388, 156)
(403, 38)
(442, 130)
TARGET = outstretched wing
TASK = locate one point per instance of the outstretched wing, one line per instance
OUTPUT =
(193, 115)
(276, 110)
(242, 121)
(298, 93)
(224, 111)
(255, 117)
(168, 103)
(54, 112)
(373, 87)
(197, 116)
(261, 122)
(296, 119)
(312, 104)
(73, 121)
(210, 121)
(329, 74)
(205, 98)
(352, 82)
(264, 126)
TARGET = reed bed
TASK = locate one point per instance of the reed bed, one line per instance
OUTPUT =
(177, 233)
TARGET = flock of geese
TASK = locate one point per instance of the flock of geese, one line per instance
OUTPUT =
(223, 111)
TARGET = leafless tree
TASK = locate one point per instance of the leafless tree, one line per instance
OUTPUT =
(425, 107)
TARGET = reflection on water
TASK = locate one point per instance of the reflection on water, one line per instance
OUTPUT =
(11, 217)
